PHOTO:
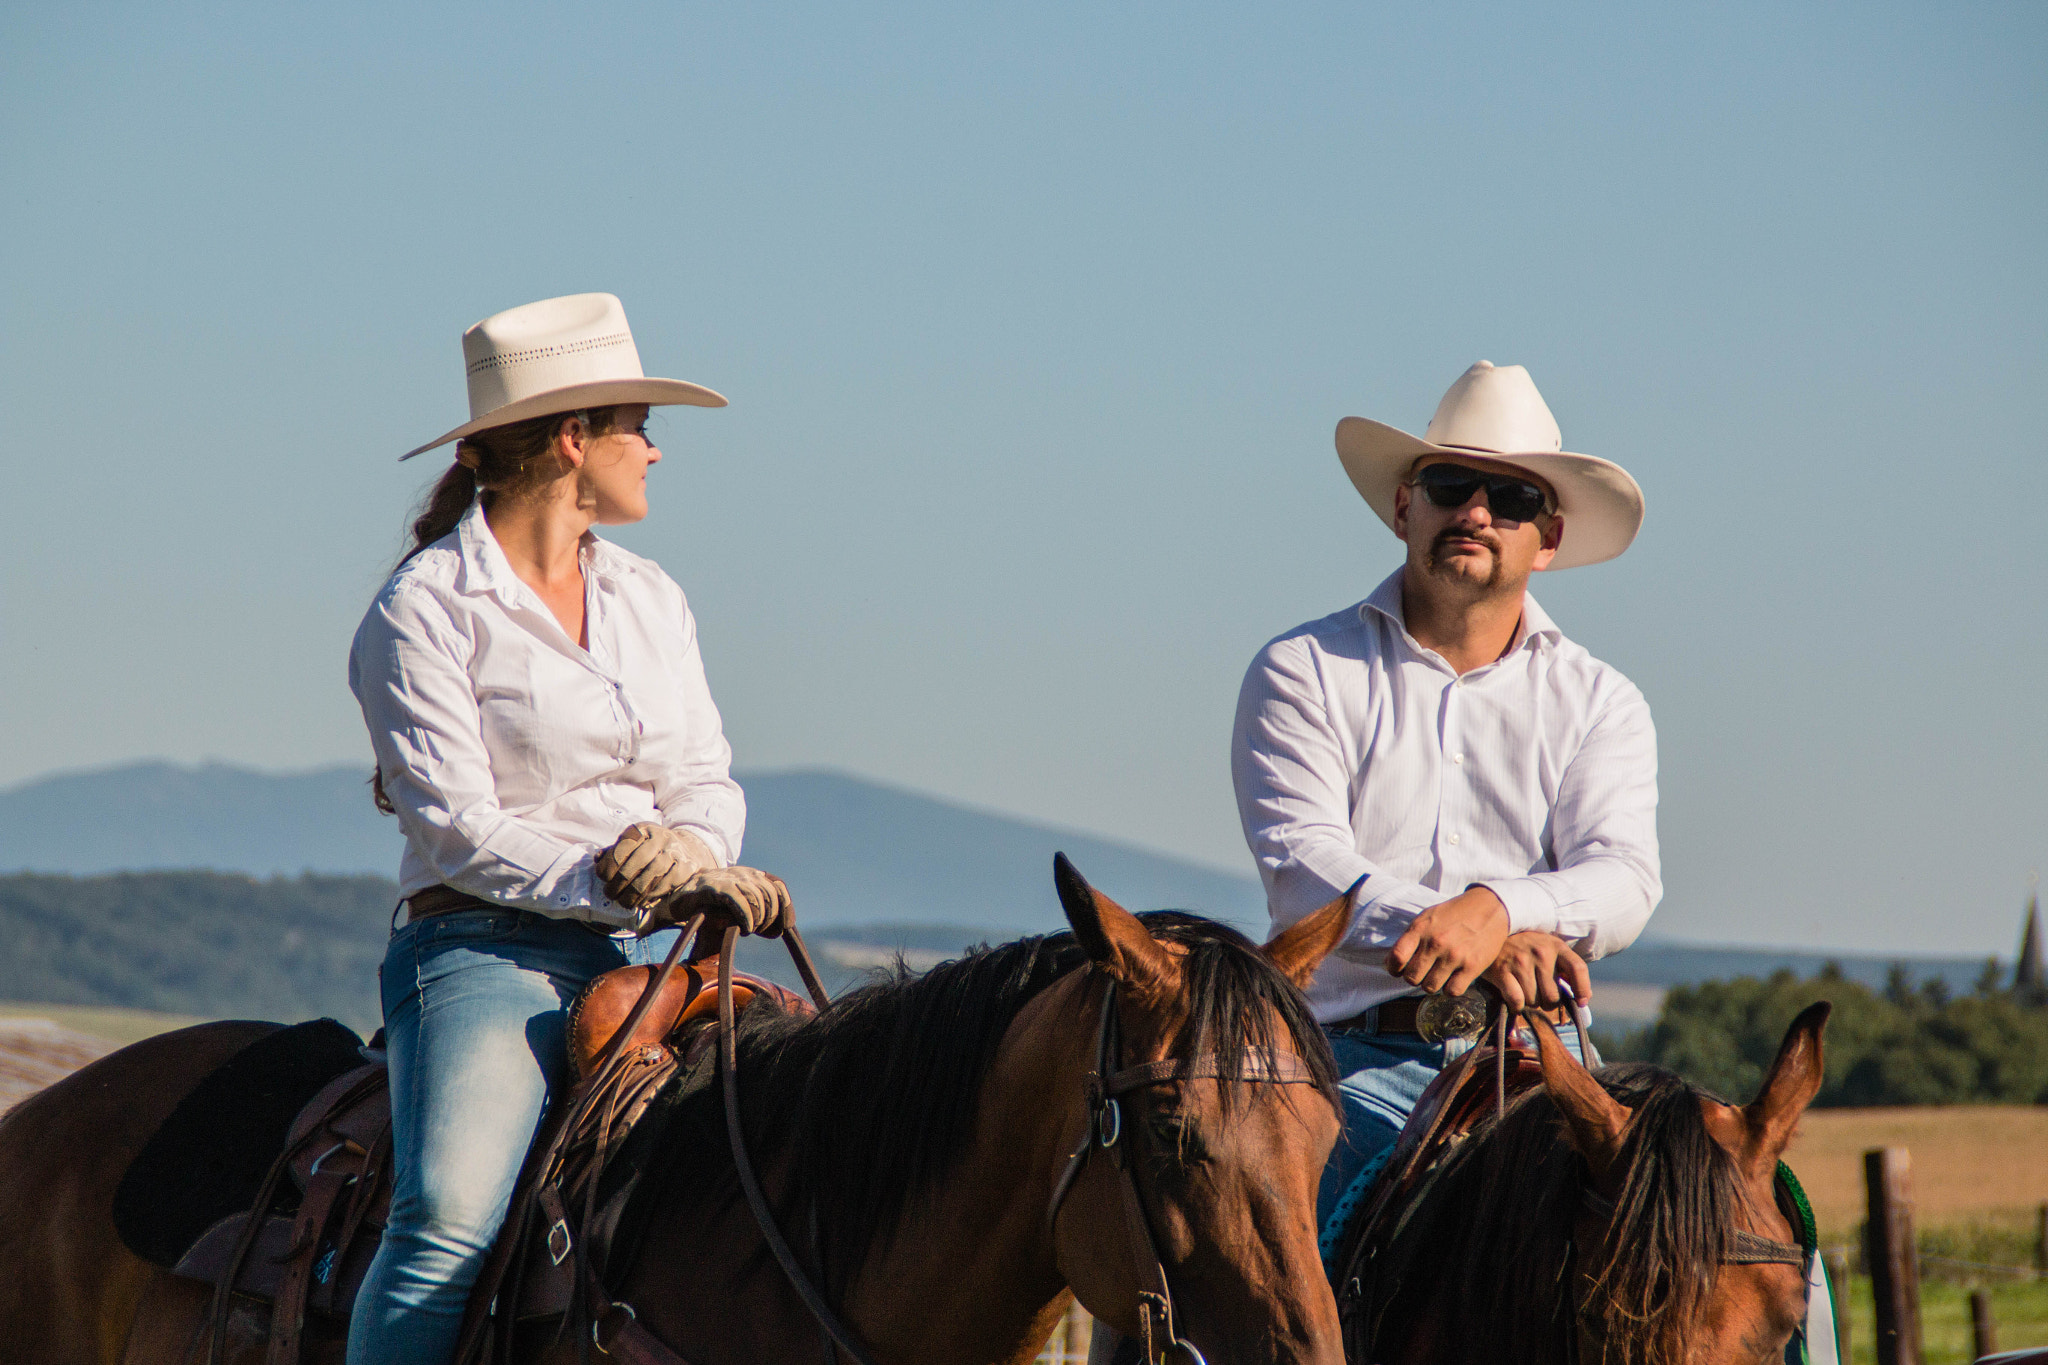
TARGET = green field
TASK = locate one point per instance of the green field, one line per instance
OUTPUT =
(2019, 1309)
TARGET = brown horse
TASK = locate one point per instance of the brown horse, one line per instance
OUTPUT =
(1623, 1217)
(912, 1137)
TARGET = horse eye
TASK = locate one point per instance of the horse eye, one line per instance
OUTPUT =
(1176, 1137)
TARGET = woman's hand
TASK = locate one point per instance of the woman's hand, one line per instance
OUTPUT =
(650, 863)
(747, 898)
(1529, 964)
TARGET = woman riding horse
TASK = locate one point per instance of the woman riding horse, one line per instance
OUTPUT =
(546, 738)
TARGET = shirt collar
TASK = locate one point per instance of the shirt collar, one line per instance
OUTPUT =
(485, 568)
(1386, 600)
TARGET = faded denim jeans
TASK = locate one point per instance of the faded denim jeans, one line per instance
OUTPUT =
(475, 1015)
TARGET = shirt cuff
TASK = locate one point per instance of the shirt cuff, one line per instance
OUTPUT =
(1387, 905)
(1530, 905)
(571, 889)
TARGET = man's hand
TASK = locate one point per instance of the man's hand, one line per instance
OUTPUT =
(755, 901)
(650, 863)
(1449, 945)
(1527, 968)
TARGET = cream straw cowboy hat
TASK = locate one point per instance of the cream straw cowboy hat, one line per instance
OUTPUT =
(1494, 412)
(558, 355)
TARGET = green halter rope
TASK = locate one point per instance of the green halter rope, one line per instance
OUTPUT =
(1809, 1242)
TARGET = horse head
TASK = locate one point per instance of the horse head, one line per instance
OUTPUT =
(1699, 1266)
(1186, 1215)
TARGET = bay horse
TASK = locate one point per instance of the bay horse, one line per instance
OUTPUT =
(925, 1142)
(1618, 1217)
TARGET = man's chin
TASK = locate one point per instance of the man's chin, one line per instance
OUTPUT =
(1472, 568)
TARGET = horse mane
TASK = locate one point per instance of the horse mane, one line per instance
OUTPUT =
(873, 1100)
(1484, 1266)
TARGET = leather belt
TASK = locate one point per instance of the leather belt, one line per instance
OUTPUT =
(1395, 1016)
(1400, 1015)
(441, 900)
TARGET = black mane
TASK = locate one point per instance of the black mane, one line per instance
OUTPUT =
(1485, 1263)
(874, 1099)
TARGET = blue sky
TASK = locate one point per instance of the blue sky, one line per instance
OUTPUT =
(1036, 322)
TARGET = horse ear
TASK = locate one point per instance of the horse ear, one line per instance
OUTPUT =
(1112, 936)
(1301, 947)
(1596, 1120)
(1794, 1080)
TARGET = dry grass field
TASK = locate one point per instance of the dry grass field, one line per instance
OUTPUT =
(40, 1043)
(1979, 1173)
(1969, 1161)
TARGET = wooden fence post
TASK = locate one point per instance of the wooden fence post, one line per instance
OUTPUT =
(1838, 1290)
(1983, 1330)
(1894, 1261)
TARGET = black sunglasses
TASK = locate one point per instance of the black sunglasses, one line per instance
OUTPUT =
(1510, 498)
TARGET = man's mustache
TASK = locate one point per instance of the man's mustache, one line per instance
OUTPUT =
(1451, 533)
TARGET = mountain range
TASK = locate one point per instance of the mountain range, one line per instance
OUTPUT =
(852, 851)
(290, 911)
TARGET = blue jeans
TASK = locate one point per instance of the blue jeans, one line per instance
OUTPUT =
(1381, 1077)
(475, 1015)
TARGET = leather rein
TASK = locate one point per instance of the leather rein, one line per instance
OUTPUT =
(1104, 1131)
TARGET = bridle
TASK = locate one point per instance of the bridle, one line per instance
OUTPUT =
(1104, 1131)
(1746, 1248)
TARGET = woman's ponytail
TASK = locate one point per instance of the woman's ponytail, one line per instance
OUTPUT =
(451, 497)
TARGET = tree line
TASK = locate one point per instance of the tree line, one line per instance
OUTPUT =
(1905, 1044)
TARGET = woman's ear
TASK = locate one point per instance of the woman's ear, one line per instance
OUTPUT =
(572, 442)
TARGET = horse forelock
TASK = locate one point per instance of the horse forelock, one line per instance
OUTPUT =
(1488, 1254)
(875, 1099)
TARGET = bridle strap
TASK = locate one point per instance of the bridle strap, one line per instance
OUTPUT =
(1284, 1069)
(1105, 1130)
(1745, 1247)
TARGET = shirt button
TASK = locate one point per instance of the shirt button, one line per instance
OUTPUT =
(1454, 838)
(1457, 758)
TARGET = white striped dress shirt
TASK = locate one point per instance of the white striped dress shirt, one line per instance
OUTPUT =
(1365, 764)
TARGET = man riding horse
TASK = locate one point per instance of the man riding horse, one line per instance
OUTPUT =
(1481, 788)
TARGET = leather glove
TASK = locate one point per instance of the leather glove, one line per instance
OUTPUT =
(755, 901)
(650, 863)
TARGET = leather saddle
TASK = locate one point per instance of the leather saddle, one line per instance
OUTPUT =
(1452, 1105)
(306, 1241)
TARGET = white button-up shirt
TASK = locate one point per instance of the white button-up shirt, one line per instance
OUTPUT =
(514, 755)
(1365, 765)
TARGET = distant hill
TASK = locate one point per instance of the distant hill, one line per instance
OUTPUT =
(852, 851)
(290, 919)
(200, 943)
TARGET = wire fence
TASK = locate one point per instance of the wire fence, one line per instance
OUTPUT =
(1850, 1255)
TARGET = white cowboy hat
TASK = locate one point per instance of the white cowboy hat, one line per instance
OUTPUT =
(1494, 412)
(558, 355)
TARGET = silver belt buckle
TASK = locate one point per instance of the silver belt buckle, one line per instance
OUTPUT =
(1440, 1018)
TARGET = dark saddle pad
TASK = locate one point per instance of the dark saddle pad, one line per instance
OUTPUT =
(208, 1158)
